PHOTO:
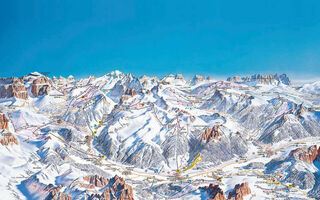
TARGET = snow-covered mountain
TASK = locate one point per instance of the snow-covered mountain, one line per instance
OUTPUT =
(313, 88)
(122, 137)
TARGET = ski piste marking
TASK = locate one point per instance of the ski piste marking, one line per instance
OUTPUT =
(156, 117)
(243, 127)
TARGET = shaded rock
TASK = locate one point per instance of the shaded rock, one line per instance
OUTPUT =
(211, 133)
(240, 190)
(283, 127)
(303, 179)
(96, 180)
(55, 194)
(4, 122)
(268, 79)
(307, 155)
(214, 191)
(116, 188)
(130, 92)
(7, 139)
(66, 134)
(301, 109)
(198, 79)
(13, 87)
(41, 86)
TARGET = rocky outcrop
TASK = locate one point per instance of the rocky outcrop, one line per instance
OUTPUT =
(211, 133)
(88, 140)
(300, 111)
(199, 79)
(96, 180)
(235, 79)
(13, 87)
(115, 188)
(118, 185)
(7, 139)
(3, 121)
(214, 192)
(130, 92)
(307, 155)
(173, 79)
(41, 86)
(56, 195)
(269, 79)
(240, 190)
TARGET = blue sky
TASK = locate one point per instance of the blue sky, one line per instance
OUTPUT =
(217, 38)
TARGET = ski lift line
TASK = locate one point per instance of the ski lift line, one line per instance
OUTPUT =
(239, 162)
(176, 155)
(194, 162)
(77, 97)
(155, 115)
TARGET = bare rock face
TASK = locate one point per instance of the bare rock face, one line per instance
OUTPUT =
(268, 79)
(215, 192)
(301, 109)
(235, 79)
(96, 180)
(88, 140)
(240, 190)
(63, 196)
(118, 186)
(56, 195)
(307, 155)
(198, 79)
(7, 139)
(3, 121)
(211, 133)
(130, 92)
(41, 86)
(13, 87)
(115, 188)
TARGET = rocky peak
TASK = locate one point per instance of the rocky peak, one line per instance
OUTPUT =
(55, 194)
(300, 110)
(307, 155)
(115, 188)
(283, 78)
(41, 86)
(8, 138)
(215, 192)
(199, 79)
(59, 80)
(268, 79)
(130, 92)
(175, 80)
(13, 87)
(148, 82)
(96, 180)
(235, 79)
(179, 76)
(116, 73)
(211, 133)
(3, 121)
(239, 191)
